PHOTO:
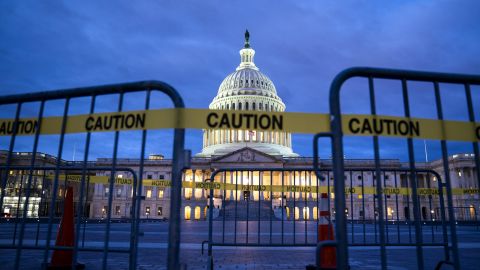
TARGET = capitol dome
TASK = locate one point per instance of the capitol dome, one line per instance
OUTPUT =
(247, 89)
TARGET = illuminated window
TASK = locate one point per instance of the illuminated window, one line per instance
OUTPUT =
(306, 213)
(315, 213)
(117, 210)
(197, 212)
(297, 213)
(159, 211)
(147, 210)
(149, 193)
(389, 211)
(160, 194)
(188, 193)
(187, 212)
(119, 192)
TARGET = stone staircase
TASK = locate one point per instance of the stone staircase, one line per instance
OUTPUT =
(247, 208)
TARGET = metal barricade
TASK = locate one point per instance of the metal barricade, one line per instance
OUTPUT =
(34, 169)
(279, 207)
(404, 77)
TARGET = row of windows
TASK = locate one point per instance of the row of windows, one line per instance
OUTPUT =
(229, 136)
(118, 211)
(119, 193)
(247, 106)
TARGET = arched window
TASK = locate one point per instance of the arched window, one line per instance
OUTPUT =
(315, 213)
(239, 106)
(188, 213)
(197, 213)
(271, 108)
(260, 106)
(253, 106)
(297, 213)
(228, 106)
(246, 106)
(233, 106)
(306, 213)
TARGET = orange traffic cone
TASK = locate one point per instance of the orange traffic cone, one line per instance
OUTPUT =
(328, 256)
(63, 259)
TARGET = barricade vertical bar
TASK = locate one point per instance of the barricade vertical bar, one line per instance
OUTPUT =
(29, 183)
(9, 156)
(451, 214)
(396, 206)
(18, 206)
(110, 190)
(443, 216)
(236, 202)
(85, 219)
(338, 169)
(284, 207)
(471, 117)
(305, 210)
(82, 186)
(137, 195)
(409, 219)
(413, 180)
(271, 206)
(363, 210)
(40, 204)
(55, 181)
(248, 204)
(294, 207)
(351, 207)
(378, 176)
(385, 208)
(329, 193)
(259, 201)
(210, 217)
(223, 205)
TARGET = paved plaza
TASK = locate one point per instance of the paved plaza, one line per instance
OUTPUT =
(152, 246)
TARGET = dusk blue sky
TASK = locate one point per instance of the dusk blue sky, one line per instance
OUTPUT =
(193, 46)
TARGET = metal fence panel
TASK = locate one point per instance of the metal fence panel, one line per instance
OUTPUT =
(404, 77)
(84, 169)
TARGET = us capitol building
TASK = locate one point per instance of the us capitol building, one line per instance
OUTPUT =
(247, 88)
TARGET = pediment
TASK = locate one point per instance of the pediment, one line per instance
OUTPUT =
(245, 154)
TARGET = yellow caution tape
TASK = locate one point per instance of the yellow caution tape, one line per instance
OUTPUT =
(307, 123)
(267, 188)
